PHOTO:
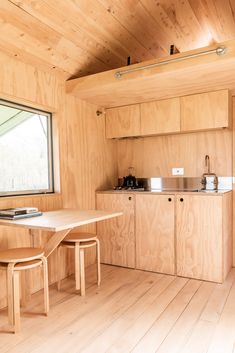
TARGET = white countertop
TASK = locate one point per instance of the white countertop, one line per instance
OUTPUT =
(159, 192)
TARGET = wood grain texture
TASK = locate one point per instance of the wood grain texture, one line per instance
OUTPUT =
(91, 158)
(28, 85)
(132, 310)
(227, 233)
(155, 233)
(90, 163)
(123, 121)
(174, 79)
(205, 111)
(233, 173)
(199, 237)
(84, 159)
(59, 220)
(156, 156)
(100, 35)
(117, 237)
(160, 117)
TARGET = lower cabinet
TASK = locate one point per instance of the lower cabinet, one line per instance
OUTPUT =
(203, 236)
(117, 235)
(155, 245)
(184, 234)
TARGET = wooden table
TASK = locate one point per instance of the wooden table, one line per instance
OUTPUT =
(59, 223)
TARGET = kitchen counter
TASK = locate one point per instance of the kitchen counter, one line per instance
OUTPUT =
(168, 192)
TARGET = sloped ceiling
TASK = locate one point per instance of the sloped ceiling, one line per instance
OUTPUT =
(79, 37)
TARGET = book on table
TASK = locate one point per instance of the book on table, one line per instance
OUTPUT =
(18, 211)
(20, 216)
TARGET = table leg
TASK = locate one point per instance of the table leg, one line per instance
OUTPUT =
(54, 241)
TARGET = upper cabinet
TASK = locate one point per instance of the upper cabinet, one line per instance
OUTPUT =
(196, 112)
(160, 117)
(205, 111)
(123, 121)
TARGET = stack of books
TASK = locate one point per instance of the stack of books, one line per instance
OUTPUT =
(20, 212)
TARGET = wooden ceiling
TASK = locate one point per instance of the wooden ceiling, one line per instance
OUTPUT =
(80, 37)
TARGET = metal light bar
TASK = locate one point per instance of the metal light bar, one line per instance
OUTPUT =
(218, 51)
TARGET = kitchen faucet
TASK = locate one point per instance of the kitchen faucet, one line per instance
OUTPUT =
(209, 180)
(207, 163)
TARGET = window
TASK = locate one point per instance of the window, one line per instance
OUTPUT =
(25, 150)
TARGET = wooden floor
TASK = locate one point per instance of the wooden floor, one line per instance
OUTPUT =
(133, 311)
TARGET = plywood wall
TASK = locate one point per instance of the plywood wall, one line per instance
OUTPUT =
(26, 85)
(84, 159)
(156, 156)
(91, 158)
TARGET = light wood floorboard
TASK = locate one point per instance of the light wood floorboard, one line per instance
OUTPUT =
(132, 311)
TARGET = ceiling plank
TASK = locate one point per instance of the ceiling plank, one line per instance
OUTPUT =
(133, 16)
(18, 53)
(29, 34)
(100, 20)
(217, 16)
(75, 38)
(56, 17)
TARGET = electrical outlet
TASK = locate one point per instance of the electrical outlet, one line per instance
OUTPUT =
(177, 171)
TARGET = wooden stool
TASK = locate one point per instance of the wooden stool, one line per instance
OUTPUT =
(14, 261)
(81, 241)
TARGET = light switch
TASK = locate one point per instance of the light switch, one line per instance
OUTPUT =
(177, 171)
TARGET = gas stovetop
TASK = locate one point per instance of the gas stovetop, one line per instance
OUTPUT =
(130, 188)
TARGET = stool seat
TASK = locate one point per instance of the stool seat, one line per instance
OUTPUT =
(83, 245)
(20, 254)
(21, 266)
(79, 237)
(79, 242)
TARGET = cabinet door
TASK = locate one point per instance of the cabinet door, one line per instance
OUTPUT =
(123, 121)
(160, 117)
(155, 233)
(199, 237)
(205, 111)
(117, 237)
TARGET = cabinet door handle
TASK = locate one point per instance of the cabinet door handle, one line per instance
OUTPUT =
(169, 199)
(181, 199)
(129, 198)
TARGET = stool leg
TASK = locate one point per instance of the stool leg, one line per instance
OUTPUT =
(82, 271)
(77, 266)
(58, 265)
(23, 281)
(45, 284)
(10, 293)
(16, 300)
(98, 261)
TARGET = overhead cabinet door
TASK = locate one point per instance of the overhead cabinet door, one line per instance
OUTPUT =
(205, 111)
(160, 117)
(123, 121)
(155, 233)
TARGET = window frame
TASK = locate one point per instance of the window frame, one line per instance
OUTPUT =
(50, 160)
